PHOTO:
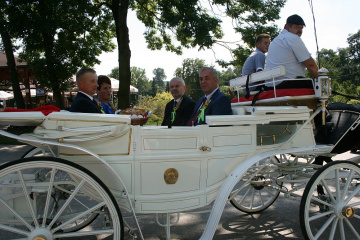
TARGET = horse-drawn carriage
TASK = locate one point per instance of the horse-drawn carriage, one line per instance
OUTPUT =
(88, 171)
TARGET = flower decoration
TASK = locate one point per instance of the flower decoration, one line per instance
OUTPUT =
(100, 107)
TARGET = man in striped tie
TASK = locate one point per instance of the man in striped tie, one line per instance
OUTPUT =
(214, 102)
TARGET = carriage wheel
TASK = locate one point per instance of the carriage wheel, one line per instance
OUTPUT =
(330, 206)
(256, 191)
(39, 152)
(50, 198)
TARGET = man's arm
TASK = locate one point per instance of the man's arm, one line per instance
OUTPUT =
(310, 64)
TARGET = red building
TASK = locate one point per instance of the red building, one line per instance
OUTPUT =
(24, 76)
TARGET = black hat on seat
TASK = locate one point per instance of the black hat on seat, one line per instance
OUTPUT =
(295, 19)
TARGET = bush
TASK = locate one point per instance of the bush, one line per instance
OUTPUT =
(156, 105)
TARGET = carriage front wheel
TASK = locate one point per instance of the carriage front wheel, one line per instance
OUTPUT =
(51, 198)
(330, 206)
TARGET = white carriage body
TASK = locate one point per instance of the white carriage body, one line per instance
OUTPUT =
(203, 156)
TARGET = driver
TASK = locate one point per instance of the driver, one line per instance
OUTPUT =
(288, 49)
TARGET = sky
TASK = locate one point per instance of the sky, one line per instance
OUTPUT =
(334, 21)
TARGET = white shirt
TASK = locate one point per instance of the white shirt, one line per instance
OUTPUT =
(289, 50)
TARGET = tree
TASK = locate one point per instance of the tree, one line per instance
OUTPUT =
(227, 75)
(192, 23)
(59, 37)
(114, 73)
(344, 70)
(5, 28)
(140, 80)
(190, 73)
(157, 83)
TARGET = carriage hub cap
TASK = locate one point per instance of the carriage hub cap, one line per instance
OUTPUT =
(348, 212)
(41, 234)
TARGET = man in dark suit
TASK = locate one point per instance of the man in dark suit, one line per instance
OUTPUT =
(178, 110)
(214, 102)
(84, 102)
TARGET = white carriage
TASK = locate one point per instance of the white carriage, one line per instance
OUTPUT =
(89, 170)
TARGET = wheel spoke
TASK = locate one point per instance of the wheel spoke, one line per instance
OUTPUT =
(27, 197)
(353, 230)
(330, 194)
(98, 206)
(324, 227)
(320, 215)
(261, 198)
(269, 191)
(347, 184)
(66, 203)
(356, 190)
(315, 199)
(14, 230)
(337, 184)
(333, 228)
(17, 215)
(247, 192)
(342, 232)
(252, 197)
(51, 184)
(234, 193)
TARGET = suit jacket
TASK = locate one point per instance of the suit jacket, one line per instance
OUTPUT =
(182, 114)
(219, 105)
(83, 103)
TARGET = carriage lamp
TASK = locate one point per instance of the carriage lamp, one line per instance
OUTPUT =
(323, 90)
(323, 85)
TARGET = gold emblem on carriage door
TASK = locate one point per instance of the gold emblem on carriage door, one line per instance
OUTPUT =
(171, 175)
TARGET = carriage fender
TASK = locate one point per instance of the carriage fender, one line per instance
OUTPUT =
(230, 182)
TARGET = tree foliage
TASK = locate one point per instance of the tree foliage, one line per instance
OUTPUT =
(174, 24)
(7, 34)
(157, 83)
(344, 69)
(156, 105)
(140, 81)
(189, 71)
(58, 37)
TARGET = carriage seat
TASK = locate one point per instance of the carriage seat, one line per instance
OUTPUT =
(274, 97)
(100, 133)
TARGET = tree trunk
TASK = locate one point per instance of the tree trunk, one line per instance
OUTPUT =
(20, 103)
(119, 9)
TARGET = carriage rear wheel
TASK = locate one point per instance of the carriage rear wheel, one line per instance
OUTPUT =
(257, 190)
(330, 206)
(50, 198)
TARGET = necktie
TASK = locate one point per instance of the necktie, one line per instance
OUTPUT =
(192, 120)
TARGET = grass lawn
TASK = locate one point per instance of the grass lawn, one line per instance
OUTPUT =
(15, 130)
